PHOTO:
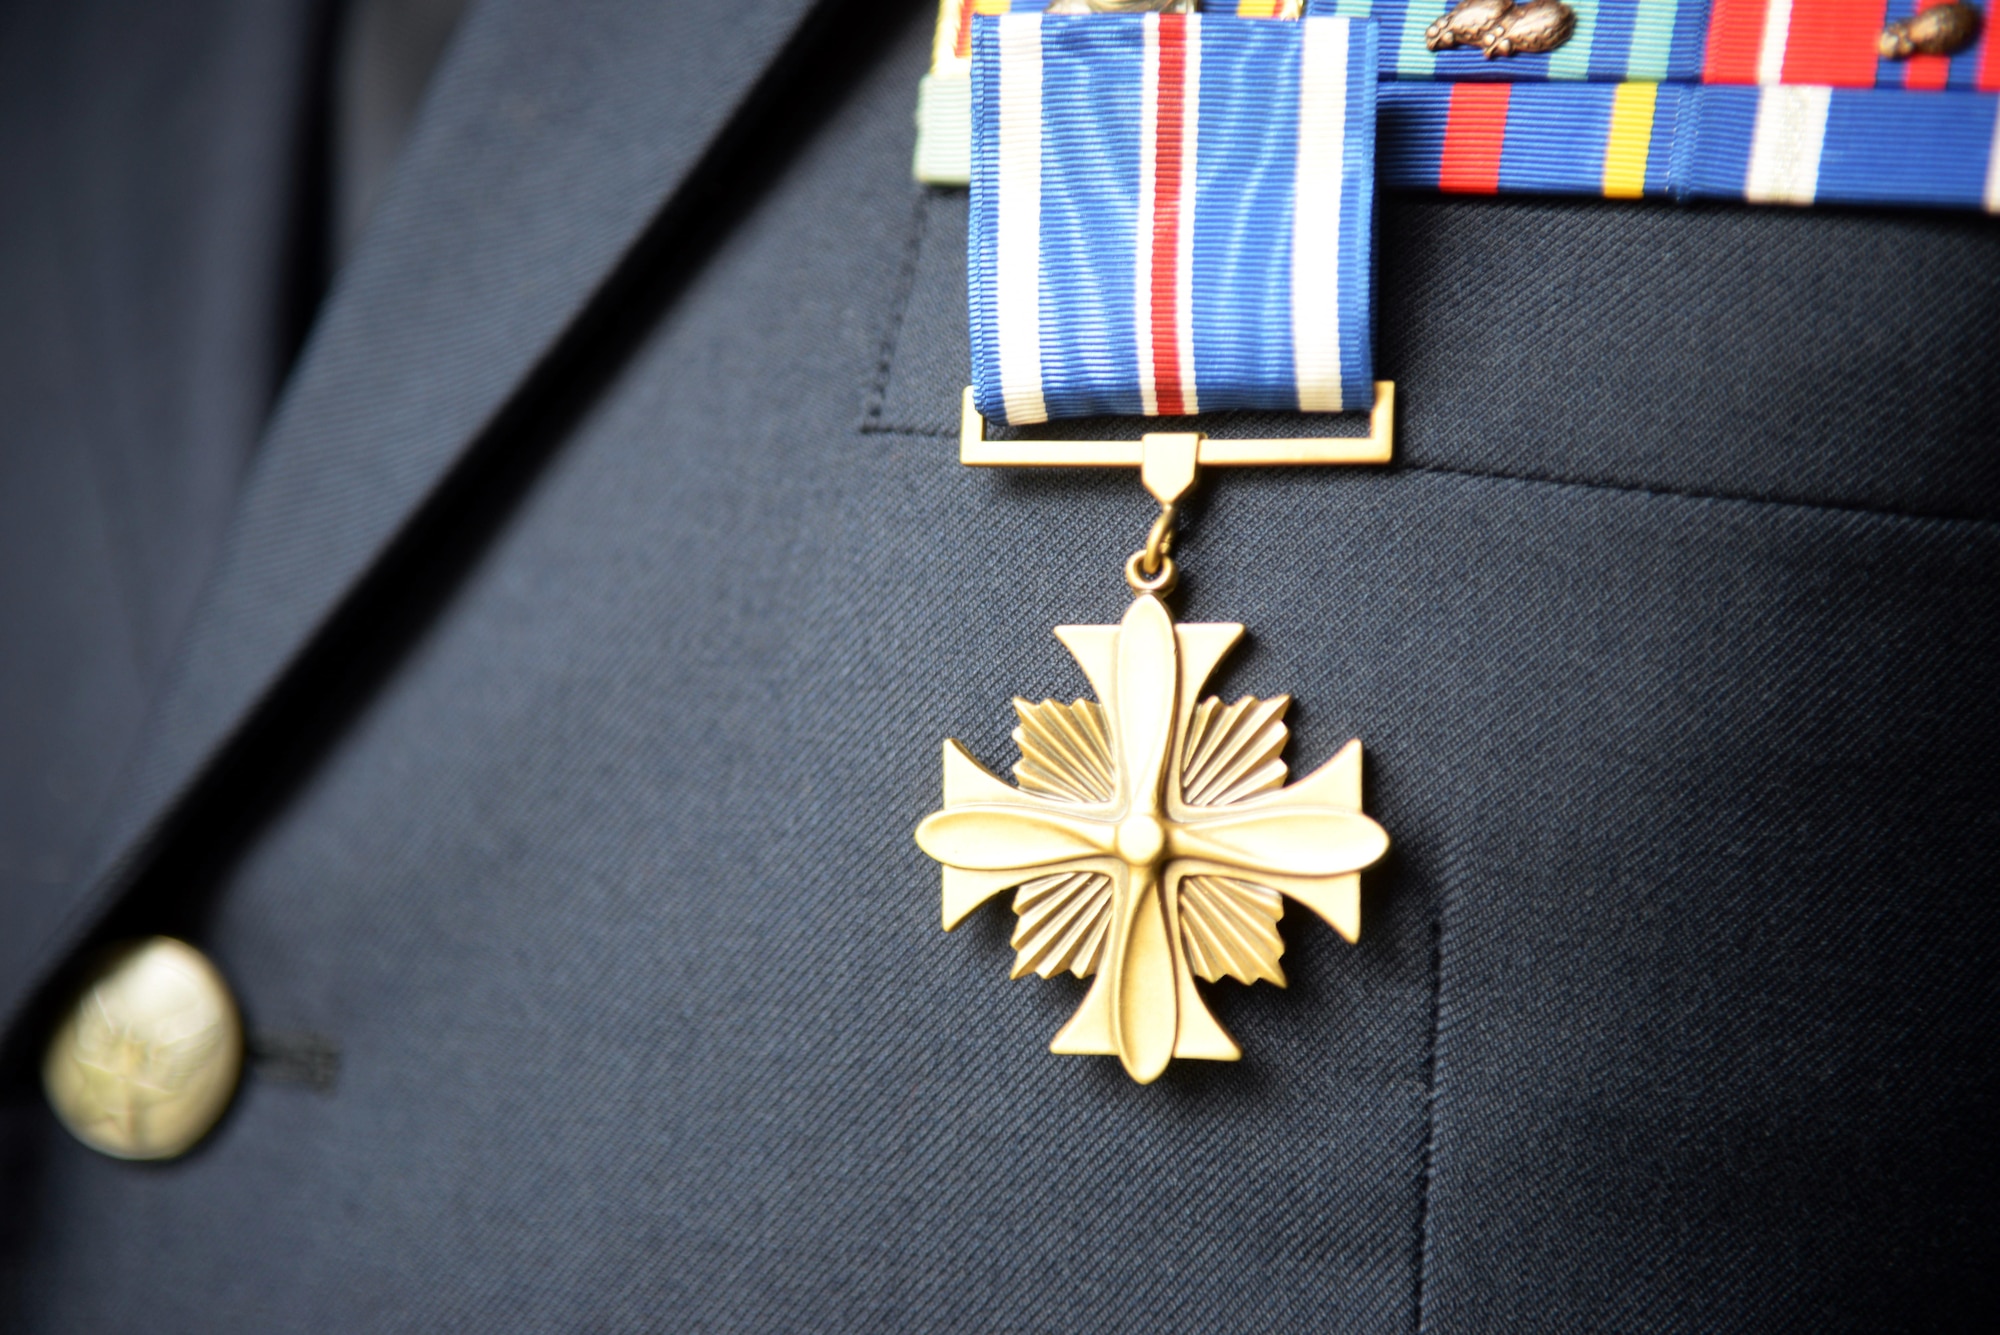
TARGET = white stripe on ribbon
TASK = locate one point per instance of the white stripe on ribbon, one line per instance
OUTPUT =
(1777, 32)
(1316, 186)
(1785, 146)
(1993, 167)
(1018, 230)
(1142, 271)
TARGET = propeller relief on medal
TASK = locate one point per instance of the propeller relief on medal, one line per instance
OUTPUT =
(1151, 839)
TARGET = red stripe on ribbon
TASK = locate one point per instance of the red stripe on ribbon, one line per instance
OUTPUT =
(1474, 130)
(963, 46)
(1167, 187)
(1833, 42)
(1989, 58)
(1927, 72)
(1735, 35)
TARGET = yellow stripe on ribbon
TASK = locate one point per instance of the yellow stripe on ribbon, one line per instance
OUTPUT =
(1268, 9)
(1631, 137)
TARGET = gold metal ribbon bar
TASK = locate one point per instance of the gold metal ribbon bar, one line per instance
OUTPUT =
(1374, 448)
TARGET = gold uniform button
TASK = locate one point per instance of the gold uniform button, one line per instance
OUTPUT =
(148, 1057)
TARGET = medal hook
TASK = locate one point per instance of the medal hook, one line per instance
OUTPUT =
(1167, 463)
(1167, 467)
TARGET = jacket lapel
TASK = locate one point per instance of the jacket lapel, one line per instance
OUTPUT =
(558, 133)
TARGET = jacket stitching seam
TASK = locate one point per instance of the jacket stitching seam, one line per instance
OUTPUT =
(892, 337)
(1426, 1169)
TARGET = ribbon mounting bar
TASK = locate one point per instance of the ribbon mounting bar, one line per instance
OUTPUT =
(1151, 452)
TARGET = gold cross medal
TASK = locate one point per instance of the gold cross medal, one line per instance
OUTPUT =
(1152, 837)
(1171, 213)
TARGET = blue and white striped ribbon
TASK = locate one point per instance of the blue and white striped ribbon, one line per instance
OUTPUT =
(1171, 214)
(1796, 144)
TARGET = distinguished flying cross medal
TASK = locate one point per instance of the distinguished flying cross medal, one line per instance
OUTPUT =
(1150, 838)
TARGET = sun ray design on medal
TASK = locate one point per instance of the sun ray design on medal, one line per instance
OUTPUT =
(1151, 839)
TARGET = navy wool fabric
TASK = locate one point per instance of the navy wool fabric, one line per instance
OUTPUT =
(552, 731)
(157, 260)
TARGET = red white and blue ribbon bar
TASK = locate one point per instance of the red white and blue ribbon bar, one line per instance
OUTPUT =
(1815, 42)
(1785, 144)
(1833, 43)
(1171, 214)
